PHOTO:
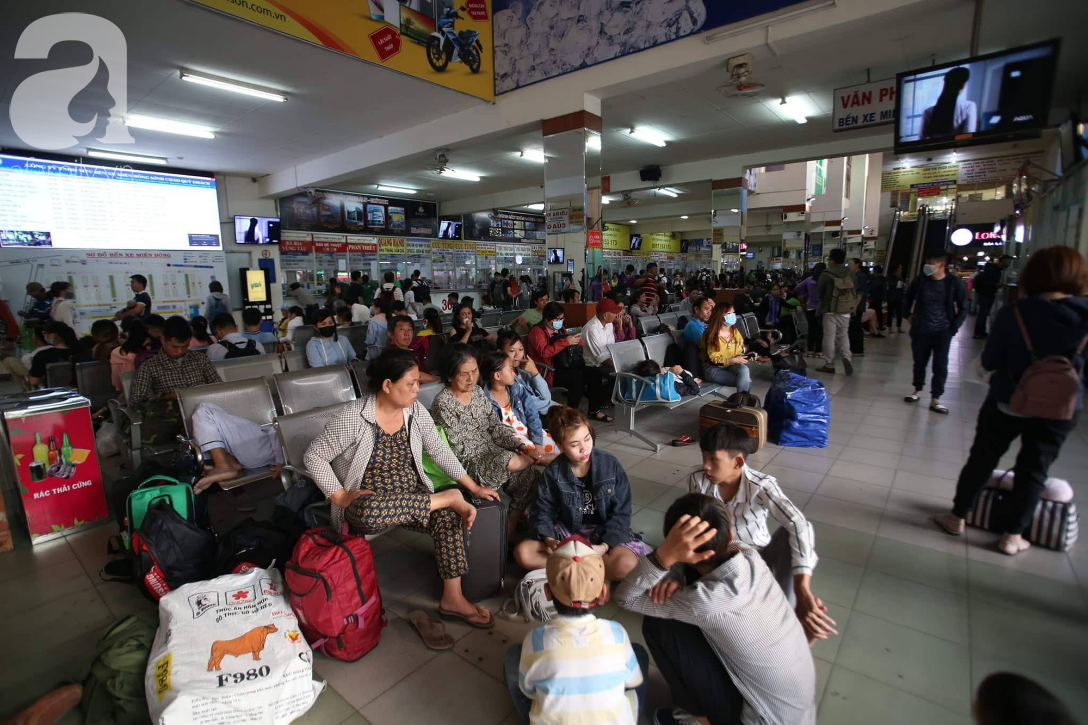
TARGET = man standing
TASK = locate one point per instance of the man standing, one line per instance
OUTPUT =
(861, 285)
(878, 292)
(354, 292)
(808, 290)
(39, 308)
(140, 304)
(936, 304)
(986, 284)
(838, 301)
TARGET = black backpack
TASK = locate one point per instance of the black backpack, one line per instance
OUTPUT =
(235, 350)
(169, 551)
(252, 543)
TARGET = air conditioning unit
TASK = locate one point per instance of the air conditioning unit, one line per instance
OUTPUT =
(793, 216)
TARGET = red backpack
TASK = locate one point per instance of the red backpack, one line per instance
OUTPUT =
(334, 593)
(1048, 388)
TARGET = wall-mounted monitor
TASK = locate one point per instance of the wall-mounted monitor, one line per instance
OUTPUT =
(636, 241)
(448, 229)
(986, 99)
(556, 255)
(256, 230)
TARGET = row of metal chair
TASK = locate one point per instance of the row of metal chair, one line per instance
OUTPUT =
(653, 324)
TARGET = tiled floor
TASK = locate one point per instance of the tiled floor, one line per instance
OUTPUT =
(923, 616)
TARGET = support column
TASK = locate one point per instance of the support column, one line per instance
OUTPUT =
(728, 221)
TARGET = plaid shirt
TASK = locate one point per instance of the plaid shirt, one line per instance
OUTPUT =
(161, 375)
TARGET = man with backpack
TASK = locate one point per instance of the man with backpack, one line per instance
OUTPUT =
(936, 305)
(389, 290)
(838, 295)
(500, 291)
(231, 343)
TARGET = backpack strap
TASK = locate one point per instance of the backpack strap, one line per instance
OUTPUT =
(1027, 337)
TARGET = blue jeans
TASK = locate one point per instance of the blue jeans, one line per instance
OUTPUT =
(523, 704)
(734, 376)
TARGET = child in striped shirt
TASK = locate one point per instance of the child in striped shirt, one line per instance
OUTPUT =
(577, 669)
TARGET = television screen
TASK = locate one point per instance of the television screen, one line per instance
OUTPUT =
(636, 241)
(978, 100)
(556, 255)
(449, 230)
(256, 230)
(82, 206)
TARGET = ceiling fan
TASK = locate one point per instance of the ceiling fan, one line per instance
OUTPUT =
(739, 68)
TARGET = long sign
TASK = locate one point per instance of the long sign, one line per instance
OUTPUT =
(868, 104)
(390, 33)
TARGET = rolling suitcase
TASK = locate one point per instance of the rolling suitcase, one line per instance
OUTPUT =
(485, 549)
(753, 420)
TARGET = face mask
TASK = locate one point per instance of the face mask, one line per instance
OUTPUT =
(731, 318)
(557, 324)
(326, 331)
(928, 269)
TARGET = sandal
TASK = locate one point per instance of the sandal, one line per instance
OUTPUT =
(456, 616)
(938, 408)
(431, 631)
(1009, 549)
(600, 416)
(683, 441)
(912, 398)
(950, 524)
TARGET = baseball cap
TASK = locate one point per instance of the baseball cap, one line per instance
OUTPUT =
(606, 305)
(576, 573)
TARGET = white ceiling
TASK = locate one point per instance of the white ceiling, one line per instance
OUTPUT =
(335, 101)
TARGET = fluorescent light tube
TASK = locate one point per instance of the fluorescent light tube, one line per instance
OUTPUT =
(793, 109)
(605, 200)
(396, 189)
(168, 126)
(668, 192)
(534, 155)
(535, 207)
(633, 221)
(593, 142)
(225, 85)
(134, 158)
(648, 135)
(685, 216)
(462, 175)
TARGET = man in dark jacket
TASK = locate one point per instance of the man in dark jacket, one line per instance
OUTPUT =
(986, 283)
(855, 333)
(878, 292)
(936, 304)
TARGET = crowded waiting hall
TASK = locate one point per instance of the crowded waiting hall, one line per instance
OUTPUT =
(667, 362)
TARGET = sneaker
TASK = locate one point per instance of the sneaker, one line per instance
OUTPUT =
(826, 369)
(848, 367)
(673, 716)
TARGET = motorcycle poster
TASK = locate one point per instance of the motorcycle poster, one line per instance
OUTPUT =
(447, 43)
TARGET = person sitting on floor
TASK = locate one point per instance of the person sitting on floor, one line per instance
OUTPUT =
(585, 492)
(401, 333)
(366, 460)
(326, 347)
(513, 405)
(750, 496)
(235, 444)
(576, 647)
(726, 643)
(229, 340)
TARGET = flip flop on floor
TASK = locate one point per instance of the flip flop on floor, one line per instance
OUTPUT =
(683, 441)
(911, 398)
(456, 616)
(431, 631)
(938, 408)
(600, 416)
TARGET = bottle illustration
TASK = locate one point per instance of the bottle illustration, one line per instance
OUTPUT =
(54, 452)
(40, 451)
(66, 451)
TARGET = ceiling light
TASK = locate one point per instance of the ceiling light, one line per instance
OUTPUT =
(396, 189)
(668, 192)
(535, 207)
(793, 110)
(133, 158)
(593, 142)
(168, 126)
(462, 175)
(534, 155)
(605, 200)
(648, 135)
(632, 221)
(906, 163)
(684, 216)
(735, 211)
(226, 85)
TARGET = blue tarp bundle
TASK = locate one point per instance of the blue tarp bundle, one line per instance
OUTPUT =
(798, 411)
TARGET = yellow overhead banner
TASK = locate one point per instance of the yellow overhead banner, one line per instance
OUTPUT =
(668, 242)
(932, 175)
(403, 35)
(616, 236)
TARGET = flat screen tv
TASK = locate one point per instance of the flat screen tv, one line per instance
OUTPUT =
(989, 98)
(256, 230)
(449, 229)
(556, 255)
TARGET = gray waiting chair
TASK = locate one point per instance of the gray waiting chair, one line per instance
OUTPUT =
(491, 319)
(295, 360)
(94, 382)
(428, 392)
(245, 368)
(249, 399)
(314, 388)
(302, 336)
(508, 318)
(670, 319)
(60, 375)
(356, 335)
(648, 325)
(133, 445)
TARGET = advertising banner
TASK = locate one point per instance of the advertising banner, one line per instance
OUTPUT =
(971, 171)
(865, 105)
(391, 33)
(558, 221)
(347, 213)
(662, 242)
(59, 478)
(485, 226)
(593, 239)
(390, 246)
(542, 40)
(616, 236)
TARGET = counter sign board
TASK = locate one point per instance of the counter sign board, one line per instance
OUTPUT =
(865, 105)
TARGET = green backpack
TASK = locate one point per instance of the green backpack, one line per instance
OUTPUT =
(114, 690)
(434, 472)
(179, 494)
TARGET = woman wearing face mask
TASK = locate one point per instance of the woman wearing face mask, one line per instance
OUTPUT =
(464, 329)
(64, 342)
(549, 339)
(721, 350)
(326, 347)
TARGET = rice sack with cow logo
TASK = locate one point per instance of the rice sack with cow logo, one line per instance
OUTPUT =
(229, 650)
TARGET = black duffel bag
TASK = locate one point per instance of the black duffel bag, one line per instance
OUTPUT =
(169, 551)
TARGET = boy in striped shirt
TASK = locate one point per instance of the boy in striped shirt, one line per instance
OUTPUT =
(577, 669)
